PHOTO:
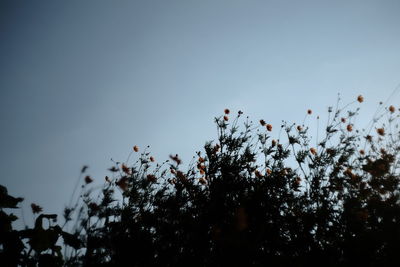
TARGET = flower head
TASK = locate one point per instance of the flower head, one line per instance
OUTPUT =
(226, 111)
(226, 118)
(36, 208)
(360, 98)
(269, 127)
(151, 178)
(273, 142)
(313, 151)
(88, 179)
(349, 128)
(309, 112)
(152, 159)
(136, 148)
(380, 131)
(125, 169)
(262, 122)
(392, 109)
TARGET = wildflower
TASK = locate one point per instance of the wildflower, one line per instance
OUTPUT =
(136, 148)
(176, 159)
(151, 178)
(88, 179)
(269, 127)
(349, 127)
(299, 128)
(202, 171)
(369, 138)
(125, 169)
(380, 131)
(172, 171)
(343, 120)
(152, 159)
(262, 122)
(36, 208)
(309, 112)
(360, 98)
(123, 183)
(113, 169)
(273, 142)
(268, 171)
(226, 111)
(226, 118)
(181, 176)
(362, 152)
(201, 160)
(392, 109)
(313, 151)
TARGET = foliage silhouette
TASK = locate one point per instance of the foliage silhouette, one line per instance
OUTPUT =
(246, 200)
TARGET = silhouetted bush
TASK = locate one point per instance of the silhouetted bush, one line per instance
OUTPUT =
(246, 200)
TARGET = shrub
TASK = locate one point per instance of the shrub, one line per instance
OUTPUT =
(246, 200)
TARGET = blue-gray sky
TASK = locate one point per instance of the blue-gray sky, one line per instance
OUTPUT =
(83, 81)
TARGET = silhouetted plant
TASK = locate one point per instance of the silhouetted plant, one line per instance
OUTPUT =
(246, 200)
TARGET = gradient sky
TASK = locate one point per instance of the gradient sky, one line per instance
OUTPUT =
(83, 81)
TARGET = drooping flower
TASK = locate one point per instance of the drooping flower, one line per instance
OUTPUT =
(380, 131)
(136, 148)
(226, 118)
(309, 112)
(262, 122)
(152, 159)
(313, 151)
(392, 109)
(299, 128)
(36, 208)
(227, 111)
(360, 98)
(269, 127)
(362, 152)
(125, 169)
(343, 120)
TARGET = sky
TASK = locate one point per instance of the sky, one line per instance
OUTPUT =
(81, 82)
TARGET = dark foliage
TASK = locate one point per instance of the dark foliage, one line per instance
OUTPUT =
(246, 200)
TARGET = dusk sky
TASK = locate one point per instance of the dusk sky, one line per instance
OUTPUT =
(81, 82)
